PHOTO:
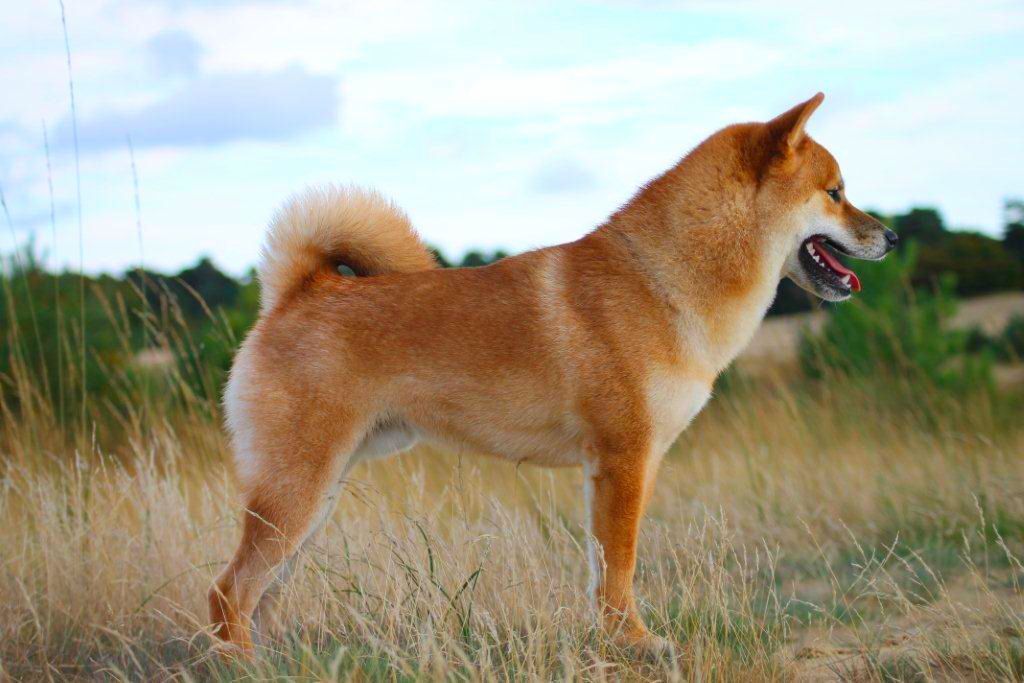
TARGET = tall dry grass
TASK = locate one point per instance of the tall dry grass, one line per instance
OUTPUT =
(798, 531)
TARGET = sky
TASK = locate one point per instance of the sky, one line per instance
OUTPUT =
(493, 124)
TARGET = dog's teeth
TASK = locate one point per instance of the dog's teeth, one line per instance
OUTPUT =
(817, 259)
(846, 279)
(810, 248)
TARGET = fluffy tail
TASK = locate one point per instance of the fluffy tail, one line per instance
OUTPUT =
(324, 227)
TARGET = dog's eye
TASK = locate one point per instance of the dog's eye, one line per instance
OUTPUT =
(834, 194)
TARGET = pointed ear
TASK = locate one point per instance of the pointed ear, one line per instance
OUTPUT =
(788, 128)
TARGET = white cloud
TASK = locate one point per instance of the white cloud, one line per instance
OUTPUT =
(216, 109)
(492, 88)
(321, 35)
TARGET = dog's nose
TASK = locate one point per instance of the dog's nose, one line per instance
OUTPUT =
(891, 238)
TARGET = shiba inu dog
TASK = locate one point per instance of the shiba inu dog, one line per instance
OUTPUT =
(596, 353)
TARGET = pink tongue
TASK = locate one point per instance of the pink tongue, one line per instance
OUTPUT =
(835, 265)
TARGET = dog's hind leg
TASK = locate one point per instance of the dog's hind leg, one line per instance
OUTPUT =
(283, 512)
(267, 619)
(388, 437)
(285, 503)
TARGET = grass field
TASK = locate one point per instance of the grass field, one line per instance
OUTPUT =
(812, 531)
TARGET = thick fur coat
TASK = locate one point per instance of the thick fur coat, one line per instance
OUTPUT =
(596, 353)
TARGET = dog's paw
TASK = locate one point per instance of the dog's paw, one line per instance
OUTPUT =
(230, 653)
(269, 627)
(646, 645)
(650, 646)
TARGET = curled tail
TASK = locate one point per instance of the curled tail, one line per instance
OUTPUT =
(323, 227)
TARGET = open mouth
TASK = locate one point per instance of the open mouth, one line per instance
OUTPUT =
(822, 266)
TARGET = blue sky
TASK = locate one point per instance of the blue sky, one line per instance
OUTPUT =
(507, 125)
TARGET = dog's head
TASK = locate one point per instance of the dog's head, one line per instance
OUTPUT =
(802, 197)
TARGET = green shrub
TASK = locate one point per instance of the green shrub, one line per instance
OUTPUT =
(1008, 345)
(1012, 346)
(890, 331)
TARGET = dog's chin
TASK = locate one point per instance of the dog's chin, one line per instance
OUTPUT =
(815, 268)
(819, 289)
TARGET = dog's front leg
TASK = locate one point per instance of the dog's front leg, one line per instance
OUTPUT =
(615, 489)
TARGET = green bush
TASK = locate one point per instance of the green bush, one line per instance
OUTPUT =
(1007, 346)
(890, 331)
(1013, 339)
